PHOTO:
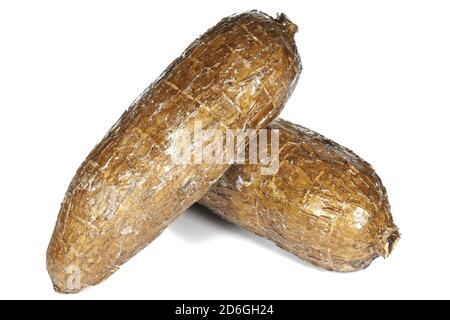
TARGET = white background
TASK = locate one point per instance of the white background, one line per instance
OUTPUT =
(376, 79)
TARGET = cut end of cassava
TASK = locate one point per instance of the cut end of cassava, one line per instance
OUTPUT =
(63, 291)
(286, 24)
(66, 277)
(64, 285)
(388, 242)
(71, 279)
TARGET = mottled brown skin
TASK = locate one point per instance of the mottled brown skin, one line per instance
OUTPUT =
(238, 74)
(325, 204)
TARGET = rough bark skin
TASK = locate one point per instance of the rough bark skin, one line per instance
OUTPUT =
(325, 204)
(238, 74)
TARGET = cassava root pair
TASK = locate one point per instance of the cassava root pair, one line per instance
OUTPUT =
(325, 204)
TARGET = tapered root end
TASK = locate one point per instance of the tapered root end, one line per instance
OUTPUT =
(63, 291)
(388, 242)
(286, 24)
(66, 278)
(64, 285)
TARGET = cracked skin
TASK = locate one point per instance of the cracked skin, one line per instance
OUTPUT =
(239, 74)
(325, 204)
